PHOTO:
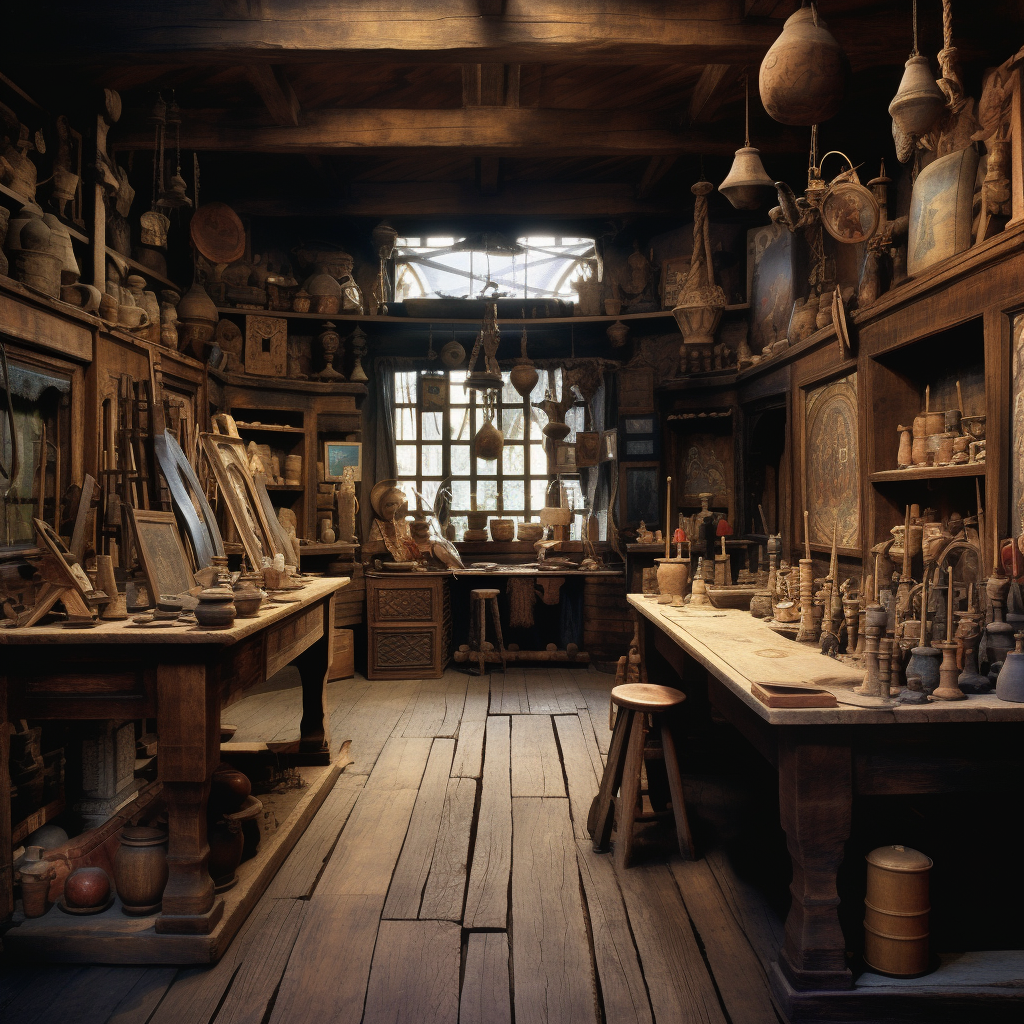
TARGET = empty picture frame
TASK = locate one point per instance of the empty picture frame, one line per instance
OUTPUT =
(161, 553)
(342, 455)
(226, 456)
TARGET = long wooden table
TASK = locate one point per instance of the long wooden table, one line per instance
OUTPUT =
(182, 676)
(825, 757)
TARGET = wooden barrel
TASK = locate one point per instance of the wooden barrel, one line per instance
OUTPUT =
(896, 911)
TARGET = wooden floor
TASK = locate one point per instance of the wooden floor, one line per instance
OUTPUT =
(448, 878)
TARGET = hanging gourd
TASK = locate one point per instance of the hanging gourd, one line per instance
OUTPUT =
(803, 75)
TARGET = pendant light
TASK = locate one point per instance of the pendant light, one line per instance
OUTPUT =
(747, 185)
(919, 102)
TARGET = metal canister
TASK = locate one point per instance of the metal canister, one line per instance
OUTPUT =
(896, 911)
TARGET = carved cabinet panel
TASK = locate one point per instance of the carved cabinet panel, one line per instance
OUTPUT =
(409, 625)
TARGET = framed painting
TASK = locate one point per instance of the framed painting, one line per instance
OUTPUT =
(673, 274)
(638, 438)
(433, 392)
(161, 552)
(638, 494)
(342, 455)
(588, 448)
(831, 490)
(773, 285)
(636, 389)
(266, 346)
(565, 458)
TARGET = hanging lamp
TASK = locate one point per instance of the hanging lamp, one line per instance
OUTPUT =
(919, 102)
(747, 184)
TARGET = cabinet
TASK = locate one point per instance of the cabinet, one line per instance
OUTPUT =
(409, 625)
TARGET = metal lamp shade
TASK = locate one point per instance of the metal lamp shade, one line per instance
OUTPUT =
(747, 185)
(919, 101)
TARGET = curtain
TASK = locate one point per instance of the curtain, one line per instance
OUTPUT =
(378, 436)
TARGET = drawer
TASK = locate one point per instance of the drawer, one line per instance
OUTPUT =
(402, 653)
(403, 604)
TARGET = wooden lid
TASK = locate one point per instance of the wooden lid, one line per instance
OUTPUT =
(646, 697)
(899, 858)
(217, 233)
(483, 593)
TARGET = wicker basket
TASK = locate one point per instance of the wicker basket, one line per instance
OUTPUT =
(503, 529)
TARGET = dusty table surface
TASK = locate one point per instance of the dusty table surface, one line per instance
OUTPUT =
(126, 632)
(739, 650)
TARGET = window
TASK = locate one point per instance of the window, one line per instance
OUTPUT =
(433, 443)
(533, 267)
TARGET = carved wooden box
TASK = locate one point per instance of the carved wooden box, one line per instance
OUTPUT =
(409, 628)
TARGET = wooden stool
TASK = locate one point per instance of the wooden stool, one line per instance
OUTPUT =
(638, 702)
(478, 602)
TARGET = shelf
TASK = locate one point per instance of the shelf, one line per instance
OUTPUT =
(37, 819)
(272, 427)
(285, 487)
(475, 322)
(145, 271)
(888, 476)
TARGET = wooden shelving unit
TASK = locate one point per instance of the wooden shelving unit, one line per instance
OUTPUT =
(141, 268)
(887, 476)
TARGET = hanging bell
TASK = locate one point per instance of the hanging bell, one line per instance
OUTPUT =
(919, 101)
(747, 185)
(174, 196)
(803, 75)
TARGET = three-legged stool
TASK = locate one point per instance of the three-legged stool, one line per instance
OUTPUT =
(478, 603)
(643, 708)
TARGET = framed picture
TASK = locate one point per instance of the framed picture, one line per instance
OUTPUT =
(565, 458)
(609, 445)
(588, 448)
(671, 272)
(161, 552)
(636, 389)
(638, 438)
(638, 487)
(342, 455)
(433, 393)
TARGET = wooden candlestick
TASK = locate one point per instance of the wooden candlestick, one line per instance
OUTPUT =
(948, 688)
(806, 633)
(668, 517)
(959, 399)
(906, 545)
(924, 612)
(949, 603)
(807, 534)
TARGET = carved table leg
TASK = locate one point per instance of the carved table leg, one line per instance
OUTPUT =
(816, 799)
(188, 724)
(312, 664)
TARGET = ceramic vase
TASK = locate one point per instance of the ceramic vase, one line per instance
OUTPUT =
(140, 869)
(1010, 682)
(35, 873)
(216, 608)
(226, 845)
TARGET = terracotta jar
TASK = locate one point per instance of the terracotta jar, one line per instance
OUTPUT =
(228, 789)
(248, 600)
(87, 888)
(216, 608)
(523, 377)
(198, 317)
(488, 441)
(140, 869)
(673, 575)
(35, 873)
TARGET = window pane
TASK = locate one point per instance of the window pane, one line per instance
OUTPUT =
(405, 388)
(460, 495)
(433, 424)
(512, 424)
(513, 494)
(538, 492)
(487, 494)
(538, 460)
(457, 394)
(431, 460)
(406, 458)
(512, 460)
(405, 424)
(486, 467)
(409, 486)
(429, 491)
(460, 459)
(460, 424)
(509, 395)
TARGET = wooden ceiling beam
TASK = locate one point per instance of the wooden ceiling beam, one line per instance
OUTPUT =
(492, 131)
(271, 82)
(444, 198)
(656, 169)
(441, 31)
(711, 89)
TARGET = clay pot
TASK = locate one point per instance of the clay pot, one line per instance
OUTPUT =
(803, 75)
(488, 442)
(556, 430)
(247, 601)
(226, 845)
(86, 888)
(39, 271)
(524, 377)
(896, 911)
(140, 869)
(198, 317)
(761, 604)
(301, 302)
(617, 333)
(919, 101)
(502, 529)
(36, 874)
(85, 296)
(132, 318)
(216, 608)
(673, 575)
(27, 214)
(530, 531)
(228, 789)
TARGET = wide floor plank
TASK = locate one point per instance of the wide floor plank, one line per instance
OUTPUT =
(487, 894)
(485, 990)
(445, 891)
(401, 763)
(623, 991)
(438, 706)
(366, 854)
(373, 718)
(303, 865)
(550, 955)
(579, 771)
(536, 768)
(406, 889)
(508, 693)
(548, 691)
(737, 970)
(478, 696)
(329, 967)
(680, 988)
(415, 974)
(469, 754)
(138, 1004)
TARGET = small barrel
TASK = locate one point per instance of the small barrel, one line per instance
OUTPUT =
(896, 911)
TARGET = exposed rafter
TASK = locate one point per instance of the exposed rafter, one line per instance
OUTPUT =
(481, 130)
(711, 89)
(275, 90)
(656, 169)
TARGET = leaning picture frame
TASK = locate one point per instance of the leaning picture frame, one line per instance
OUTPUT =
(161, 552)
(342, 455)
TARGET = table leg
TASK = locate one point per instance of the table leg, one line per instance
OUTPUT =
(188, 724)
(816, 802)
(312, 664)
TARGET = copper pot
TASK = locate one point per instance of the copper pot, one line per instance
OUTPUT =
(896, 911)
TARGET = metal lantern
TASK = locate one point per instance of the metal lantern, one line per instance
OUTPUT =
(747, 185)
(919, 102)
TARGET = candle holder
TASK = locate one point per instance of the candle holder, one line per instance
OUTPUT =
(948, 672)
(968, 636)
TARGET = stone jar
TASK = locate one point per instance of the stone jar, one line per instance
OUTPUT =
(140, 869)
(673, 576)
(216, 608)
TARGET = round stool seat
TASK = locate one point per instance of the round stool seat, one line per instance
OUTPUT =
(483, 595)
(646, 697)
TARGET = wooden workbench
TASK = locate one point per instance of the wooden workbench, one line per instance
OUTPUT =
(825, 757)
(182, 676)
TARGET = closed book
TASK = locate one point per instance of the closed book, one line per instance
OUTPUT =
(778, 695)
